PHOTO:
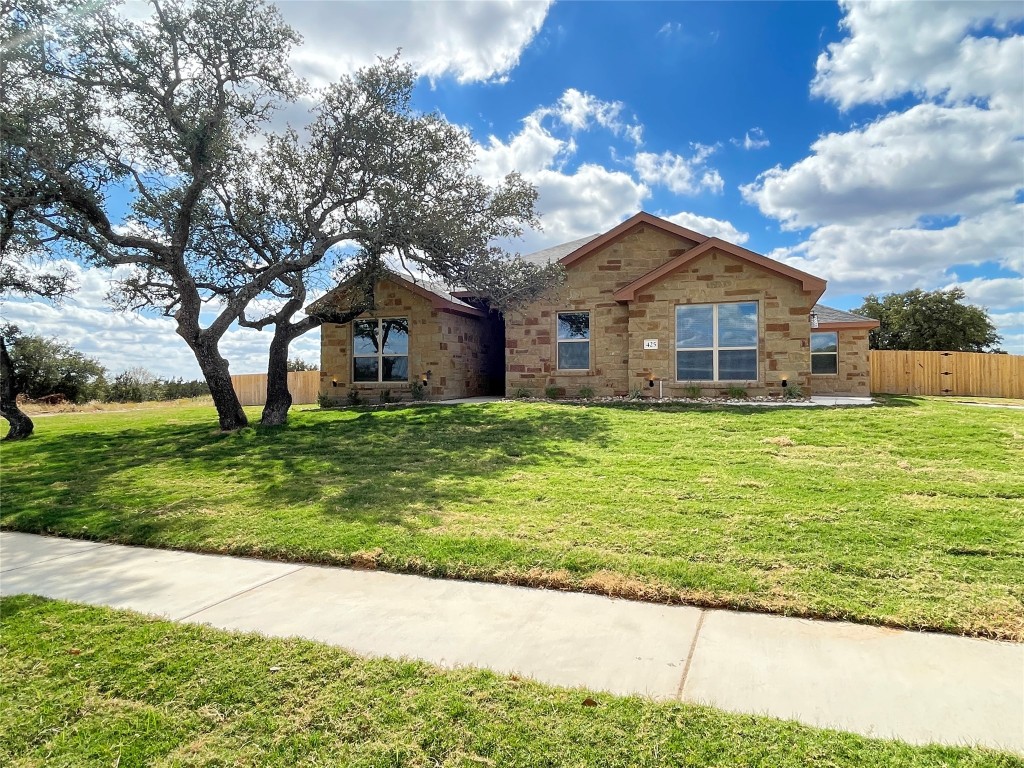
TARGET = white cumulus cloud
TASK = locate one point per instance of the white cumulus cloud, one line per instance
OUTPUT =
(682, 175)
(470, 41)
(709, 226)
(933, 50)
(753, 139)
(928, 160)
(900, 201)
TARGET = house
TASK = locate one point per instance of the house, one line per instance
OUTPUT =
(647, 305)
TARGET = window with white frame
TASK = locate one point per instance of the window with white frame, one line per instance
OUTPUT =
(573, 341)
(380, 350)
(716, 342)
(825, 352)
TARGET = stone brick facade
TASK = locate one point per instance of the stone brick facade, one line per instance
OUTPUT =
(451, 346)
(630, 280)
(854, 377)
(619, 362)
(530, 335)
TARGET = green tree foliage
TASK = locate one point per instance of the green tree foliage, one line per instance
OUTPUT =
(298, 364)
(135, 385)
(138, 385)
(174, 112)
(929, 321)
(157, 111)
(177, 389)
(45, 367)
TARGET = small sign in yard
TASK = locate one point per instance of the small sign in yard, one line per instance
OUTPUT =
(650, 343)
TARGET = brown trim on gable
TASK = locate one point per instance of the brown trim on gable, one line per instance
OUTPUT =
(437, 301)
(855, 325)
(617, 232)
(808, 282)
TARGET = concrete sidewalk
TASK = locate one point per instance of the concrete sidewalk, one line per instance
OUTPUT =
(921, 688)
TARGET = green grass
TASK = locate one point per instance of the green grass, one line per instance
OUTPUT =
(92, 686)
(910, 514)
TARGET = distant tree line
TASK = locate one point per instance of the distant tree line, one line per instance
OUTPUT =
(47, 367)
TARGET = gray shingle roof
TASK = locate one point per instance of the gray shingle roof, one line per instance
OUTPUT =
(830, 315)
(437, 288)
(556, 252)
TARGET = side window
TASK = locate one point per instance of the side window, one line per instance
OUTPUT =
(573, 341)
(380, 350)
(825, 352)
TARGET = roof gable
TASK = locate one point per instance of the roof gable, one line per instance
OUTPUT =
(808, 281)
(439, 298)
(622, 229)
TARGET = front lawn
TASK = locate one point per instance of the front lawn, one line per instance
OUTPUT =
(909, 514)
(92, 686)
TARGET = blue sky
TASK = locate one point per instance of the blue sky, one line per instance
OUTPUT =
(810, 132)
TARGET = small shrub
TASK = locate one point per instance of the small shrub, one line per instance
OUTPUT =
(636, 393)
(353, 398)
(418, 391)
(324, 401)
(521, 393)
(792, 393)
(692, 391)
(385, 396)
(736, 393)
(552, 392)
(586, 393)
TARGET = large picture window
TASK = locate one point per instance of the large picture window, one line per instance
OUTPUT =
(573, 341)
(380, 350)
(825, 352)
(716, 342)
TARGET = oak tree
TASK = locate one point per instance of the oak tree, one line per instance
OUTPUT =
(929, 321)
(227, 220)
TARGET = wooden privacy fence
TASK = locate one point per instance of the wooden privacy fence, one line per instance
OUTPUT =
(947, 373)
(251, 388)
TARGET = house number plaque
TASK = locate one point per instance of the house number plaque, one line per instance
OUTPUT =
(650, 343)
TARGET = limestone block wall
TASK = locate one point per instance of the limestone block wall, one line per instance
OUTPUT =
(530, 335)
(783, 323)
(618, 330)
(854, 377)
(465, 345)
(451, 347)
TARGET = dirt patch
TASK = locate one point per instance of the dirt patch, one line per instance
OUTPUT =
(366, 560)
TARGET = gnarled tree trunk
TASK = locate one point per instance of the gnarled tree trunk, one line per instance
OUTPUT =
(21, 425)
(218, 377)
(279, 399)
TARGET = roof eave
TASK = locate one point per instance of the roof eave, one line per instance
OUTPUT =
(437, 302)
(856, 325)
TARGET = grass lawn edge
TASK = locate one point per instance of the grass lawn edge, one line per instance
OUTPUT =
(87, 681)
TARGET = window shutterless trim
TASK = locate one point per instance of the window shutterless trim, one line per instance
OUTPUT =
(715, 348)
(380, 354)
(559, 342)
(825, 354)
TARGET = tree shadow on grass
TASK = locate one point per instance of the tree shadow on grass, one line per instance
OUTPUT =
(164, 482)
(387, 466)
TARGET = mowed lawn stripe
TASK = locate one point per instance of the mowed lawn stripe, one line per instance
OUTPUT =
(908, 514)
